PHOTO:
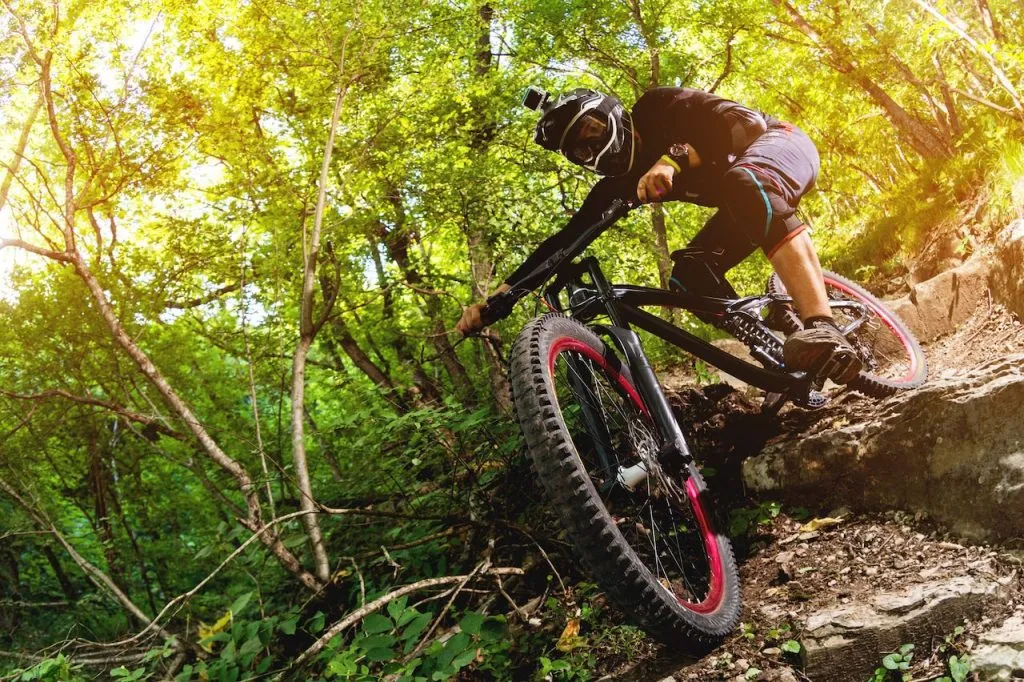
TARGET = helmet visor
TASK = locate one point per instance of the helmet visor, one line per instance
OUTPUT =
(600, 139)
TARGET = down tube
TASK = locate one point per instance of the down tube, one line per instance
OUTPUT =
(776, 382)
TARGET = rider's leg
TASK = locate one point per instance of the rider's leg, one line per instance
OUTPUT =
(797, 263)
(763, 201)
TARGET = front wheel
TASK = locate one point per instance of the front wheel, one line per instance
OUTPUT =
(893, 359)
(654, 551)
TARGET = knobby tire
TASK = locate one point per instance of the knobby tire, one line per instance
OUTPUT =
(685, 609)
(885, 344)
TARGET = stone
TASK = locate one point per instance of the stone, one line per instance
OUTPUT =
(841, 643)
(936, 306)
(999, 654)
(1006, 278)
(972, 481)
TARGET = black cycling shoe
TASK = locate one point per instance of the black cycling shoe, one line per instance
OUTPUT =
(821, 349)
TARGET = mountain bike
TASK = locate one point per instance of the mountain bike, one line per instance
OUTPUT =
(612, 459)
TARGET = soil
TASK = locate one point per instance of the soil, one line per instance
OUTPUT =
(787, 574)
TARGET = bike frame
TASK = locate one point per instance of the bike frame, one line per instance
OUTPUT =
(622, 305)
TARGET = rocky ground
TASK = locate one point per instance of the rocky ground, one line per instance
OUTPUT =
(829, 600)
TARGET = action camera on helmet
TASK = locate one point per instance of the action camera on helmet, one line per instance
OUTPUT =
(535, 98)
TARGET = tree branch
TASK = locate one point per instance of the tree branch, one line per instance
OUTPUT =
(152, 424)
(31, 248)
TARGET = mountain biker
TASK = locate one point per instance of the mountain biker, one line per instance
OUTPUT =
(682, 144)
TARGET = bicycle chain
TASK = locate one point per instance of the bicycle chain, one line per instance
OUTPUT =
(754, 335)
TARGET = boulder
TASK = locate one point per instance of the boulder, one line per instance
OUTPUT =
(953, 449)
(999, 654)
(1006, 278)
(847, 642)
(940, 304)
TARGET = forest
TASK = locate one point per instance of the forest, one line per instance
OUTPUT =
(240, 437)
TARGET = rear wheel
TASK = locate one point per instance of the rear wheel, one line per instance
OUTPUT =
(893, 359)
(652, 544)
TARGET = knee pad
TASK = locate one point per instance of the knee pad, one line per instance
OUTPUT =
(697, 271)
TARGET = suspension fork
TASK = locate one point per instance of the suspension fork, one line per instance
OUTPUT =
(646, 380)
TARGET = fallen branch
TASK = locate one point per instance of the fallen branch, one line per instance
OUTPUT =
(378, 603)
(185, 596)
(481, 567)
(150, 423)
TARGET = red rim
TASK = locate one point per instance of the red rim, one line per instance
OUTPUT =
(712, 601)
(886, 318)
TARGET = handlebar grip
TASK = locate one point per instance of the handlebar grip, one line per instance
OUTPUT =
(497, 308)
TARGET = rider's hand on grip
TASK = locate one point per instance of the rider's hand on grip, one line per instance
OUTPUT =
(479, 315)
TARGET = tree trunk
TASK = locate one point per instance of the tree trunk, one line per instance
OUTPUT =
(397, 241)
(100, 488)
(988, 20)
(947, 96)
(481, 258)
(66, 586)
(308, 329)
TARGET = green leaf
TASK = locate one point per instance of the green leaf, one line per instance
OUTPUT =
(791, 646)
(493, 629)
(464, 659)
(316, 623)
(408, 615)
(892, 661)
(959, 668)
(375, 642)
(240, 603)
(906, 649)
(471, 623)
(341, 666)
(452, 648)
(251, 646)
(397, 607)
(294, 541)
(288, 626)
(376, 622)
(752, 674)
(417, 626)
(378, 655)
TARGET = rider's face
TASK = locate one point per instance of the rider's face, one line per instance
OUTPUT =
(589, 139)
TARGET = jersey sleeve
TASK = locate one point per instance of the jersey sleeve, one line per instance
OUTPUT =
(715, 127)
(597, 202)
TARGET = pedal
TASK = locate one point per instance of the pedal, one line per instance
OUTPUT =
(814, 400)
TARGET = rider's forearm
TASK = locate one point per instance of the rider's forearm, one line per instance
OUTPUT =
(599, 199)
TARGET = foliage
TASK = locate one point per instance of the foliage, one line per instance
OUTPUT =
(164, 182)
(895, 666)
(745, 520)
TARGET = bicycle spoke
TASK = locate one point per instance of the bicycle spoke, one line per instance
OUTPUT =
(666, 538)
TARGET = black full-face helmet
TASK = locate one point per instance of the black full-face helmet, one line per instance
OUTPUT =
(589, 128)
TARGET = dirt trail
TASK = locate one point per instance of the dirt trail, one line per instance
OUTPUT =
(827, 587)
